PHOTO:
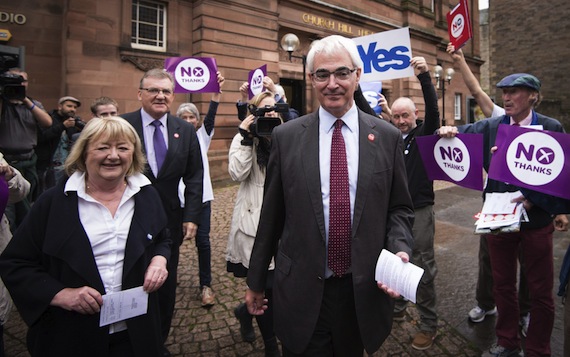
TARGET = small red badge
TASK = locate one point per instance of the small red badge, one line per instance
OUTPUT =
(371, 137)
(176, 135)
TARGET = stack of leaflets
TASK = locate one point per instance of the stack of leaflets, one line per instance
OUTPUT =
(501, 213)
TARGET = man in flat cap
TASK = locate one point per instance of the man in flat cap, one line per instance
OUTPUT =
(55, 142)
(521, 93)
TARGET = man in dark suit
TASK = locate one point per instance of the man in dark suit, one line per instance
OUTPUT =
(182, 161)
(320, 309)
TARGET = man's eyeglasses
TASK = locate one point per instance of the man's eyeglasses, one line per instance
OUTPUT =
(155, 91)
(342, 74)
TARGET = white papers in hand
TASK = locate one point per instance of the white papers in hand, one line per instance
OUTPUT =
(399, 276)
(123, 305)
(499, 213)
(500, 202)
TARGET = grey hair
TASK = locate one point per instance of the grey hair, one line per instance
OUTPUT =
(332, 44)
(188, 107)
(158, 73)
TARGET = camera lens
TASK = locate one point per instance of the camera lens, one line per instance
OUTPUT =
(79, 124)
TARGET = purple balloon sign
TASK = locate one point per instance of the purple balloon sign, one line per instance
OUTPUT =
(193, 74)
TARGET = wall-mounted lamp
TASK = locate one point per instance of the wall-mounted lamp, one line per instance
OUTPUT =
(290, 43)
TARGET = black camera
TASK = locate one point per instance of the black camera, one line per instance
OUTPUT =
(262, 125)
(11, 87)
(79, 124)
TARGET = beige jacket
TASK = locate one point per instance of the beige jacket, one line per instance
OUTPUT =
(243, 168)
(18, 188)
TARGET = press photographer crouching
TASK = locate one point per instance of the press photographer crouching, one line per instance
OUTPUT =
(54, 143)
(20, 117)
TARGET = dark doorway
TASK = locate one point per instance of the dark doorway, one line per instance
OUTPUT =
(294, 93)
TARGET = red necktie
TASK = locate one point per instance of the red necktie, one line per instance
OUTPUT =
(339, 206)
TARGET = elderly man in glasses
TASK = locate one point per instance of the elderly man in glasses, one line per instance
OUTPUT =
(336, 194)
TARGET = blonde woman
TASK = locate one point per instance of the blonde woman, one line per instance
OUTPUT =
(101, 231)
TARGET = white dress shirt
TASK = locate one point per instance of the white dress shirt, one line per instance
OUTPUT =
(208, 192)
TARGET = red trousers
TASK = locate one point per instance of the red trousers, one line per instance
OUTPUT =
(536, 250)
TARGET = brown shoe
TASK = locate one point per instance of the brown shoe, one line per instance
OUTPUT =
(208, 297)
(424, 340)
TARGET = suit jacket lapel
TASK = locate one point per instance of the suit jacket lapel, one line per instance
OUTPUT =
(174, 141)
(137, 124)
(309, 149)
(368, 149)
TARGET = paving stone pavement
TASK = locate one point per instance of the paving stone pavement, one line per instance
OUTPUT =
(215, 332)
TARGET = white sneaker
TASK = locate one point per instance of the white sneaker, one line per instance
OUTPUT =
(477, 314)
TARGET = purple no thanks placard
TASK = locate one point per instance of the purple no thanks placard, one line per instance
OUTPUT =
(534, 159)
(458, 160)
(193, 74)
(255, 80)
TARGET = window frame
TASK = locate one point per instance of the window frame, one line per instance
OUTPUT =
(457, 106)
(161, 8)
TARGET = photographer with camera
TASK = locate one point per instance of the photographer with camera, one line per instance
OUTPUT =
(19, 121)
(276, 90)
(248, 157)
(54, 143)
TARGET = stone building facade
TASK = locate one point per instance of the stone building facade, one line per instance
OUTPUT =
(484, 47)
(533, 37)
(89, 48)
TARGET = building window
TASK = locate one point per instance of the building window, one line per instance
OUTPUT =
(457, 106)
(148, 26)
